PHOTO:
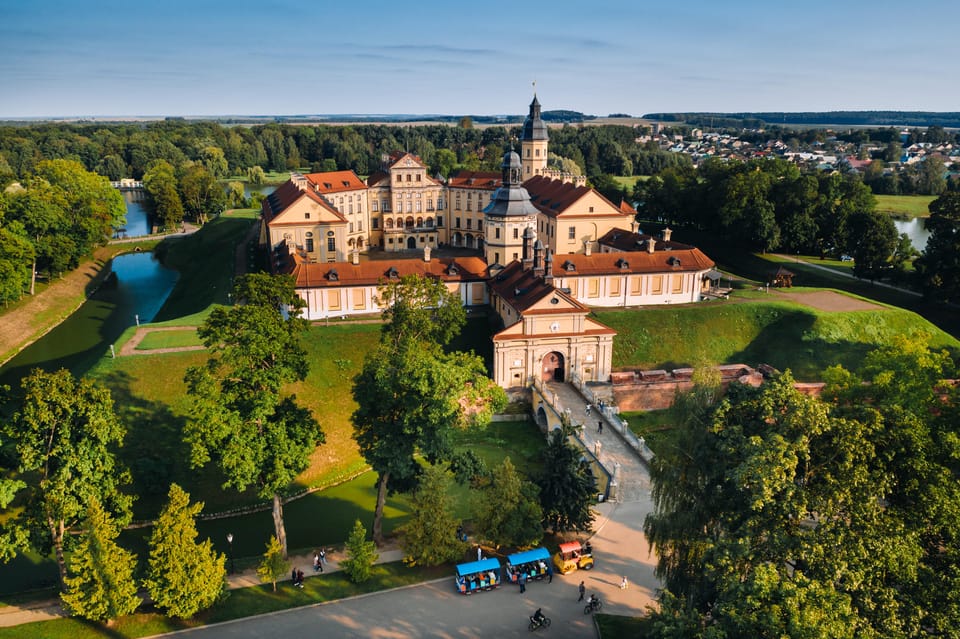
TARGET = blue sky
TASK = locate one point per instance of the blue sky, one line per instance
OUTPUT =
(209, 57)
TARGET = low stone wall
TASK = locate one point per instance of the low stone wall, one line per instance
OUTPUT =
(656, 389)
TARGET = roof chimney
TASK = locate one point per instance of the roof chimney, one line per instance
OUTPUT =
(426, 253)
(355, 257)
(633, 225)
(587, 247)
(537, 252)
(548, 268)
(666, 234)
(651, 244)
(528, 236)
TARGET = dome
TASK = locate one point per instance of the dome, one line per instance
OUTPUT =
(511, 160)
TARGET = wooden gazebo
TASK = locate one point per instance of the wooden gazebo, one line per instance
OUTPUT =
(781, 278)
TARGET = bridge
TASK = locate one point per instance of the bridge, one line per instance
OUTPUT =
(127, 184)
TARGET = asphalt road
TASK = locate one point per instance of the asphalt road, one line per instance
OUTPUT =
(435, 610)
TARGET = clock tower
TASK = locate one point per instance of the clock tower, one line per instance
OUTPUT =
(533, 142)
(508, 215)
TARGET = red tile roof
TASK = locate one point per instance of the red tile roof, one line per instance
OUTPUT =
(288, 194)
(521, 289)
(331, 275)
(676, 261)
(624, 240)
(553, 197)
(334, 181)
(488, 180)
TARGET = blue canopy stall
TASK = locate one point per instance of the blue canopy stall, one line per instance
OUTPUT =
(535, 564)
(480, 575)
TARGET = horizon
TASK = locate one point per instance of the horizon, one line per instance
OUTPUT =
(67, 60)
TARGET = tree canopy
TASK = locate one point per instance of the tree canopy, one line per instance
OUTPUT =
(567, 486)
(410, 393)
(258, 435)
(782, 514)
(939, 266)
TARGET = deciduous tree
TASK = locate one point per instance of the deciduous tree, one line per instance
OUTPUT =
(184, 576)
(100, 585)
(65, 435)
(274, 565)
(939, 266)
(410, 393)
(507, 512)
(258, 435)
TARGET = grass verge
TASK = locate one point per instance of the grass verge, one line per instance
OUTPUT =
(169, 339)
(905, 205)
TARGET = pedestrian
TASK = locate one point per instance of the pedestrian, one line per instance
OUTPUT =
(523, 582)
(300, 579)
(316, 562)
(601, 405)
(293, 576)
(323, 558)
(587, 409)
(479, 553)
(549, 573)
(623, 583)
(596, 448)
(600, 427)
(582, 588)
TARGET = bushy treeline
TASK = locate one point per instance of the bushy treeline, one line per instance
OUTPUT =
(127, 150)
(822, 118)
(57, 215)
(767, 205)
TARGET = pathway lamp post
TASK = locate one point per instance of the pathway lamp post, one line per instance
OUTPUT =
(230, 542)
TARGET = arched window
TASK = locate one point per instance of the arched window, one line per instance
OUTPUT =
(409, 222)
(429, 222)
(389, 223)
(419, 222)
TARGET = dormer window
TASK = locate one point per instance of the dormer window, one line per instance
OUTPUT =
(622, 264)
(393, 273)
(333, 276)
(569, 266)
(453, 269)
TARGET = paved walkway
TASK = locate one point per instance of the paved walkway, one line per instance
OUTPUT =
(621, 461)
(50, 609)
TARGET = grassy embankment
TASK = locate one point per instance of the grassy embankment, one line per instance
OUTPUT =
(905, 206)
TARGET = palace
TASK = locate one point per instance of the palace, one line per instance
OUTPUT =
(547, 246)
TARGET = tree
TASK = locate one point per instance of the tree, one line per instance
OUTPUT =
(202, 195)
(507, 512)
(258, 435)
(183, 576)
(361, 555)
(100, 584)
(567, 486)
(214, 161)
(429, 537)
(939, 266)
(274, 565)
(236, 196)
(871, 241)
(65, 433)
(16, 259)
(255, 175)
(160, 183)
(410, 393)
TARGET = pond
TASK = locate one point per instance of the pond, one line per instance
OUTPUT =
(916, 230)
(138, 218)
(137, 288)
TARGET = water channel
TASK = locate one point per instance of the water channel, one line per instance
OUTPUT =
(137, 288)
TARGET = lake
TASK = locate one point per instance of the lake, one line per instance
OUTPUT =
(915, 229)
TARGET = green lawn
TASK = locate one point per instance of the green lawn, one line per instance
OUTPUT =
(905, 205)
(780, 333)
(629, 181)
(169, 339)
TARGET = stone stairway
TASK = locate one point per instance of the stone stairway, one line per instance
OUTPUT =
(620, 460)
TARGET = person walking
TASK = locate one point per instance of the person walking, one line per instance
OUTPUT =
(624, 583)
(523, 582)
(549, 573)
(600, 428)
(316, 562)
(587, 409)
(582, 588)
(323, 558)
(479, 553)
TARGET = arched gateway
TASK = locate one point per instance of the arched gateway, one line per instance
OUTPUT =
(552, 368)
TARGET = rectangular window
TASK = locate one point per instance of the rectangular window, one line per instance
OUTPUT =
(476, 292)
(439, 202)
(656, 285)
(516, 234)
(409, 207)
(409, 178)
(615, 286)
(635, 285)
(419, 206)
(386, 206)
(469, 223)
(375, 222)
(430, 205)
(399, 178)
(350, 227)
(676, 283)
(440, 220)
(358, 298)
(333, 300)
(374, 206)
(456, 222)
(309, 245)
(572, 233)
(573, 285)
(306, 215)
(496, 233)
(593, 287)
(418, 177)
(331, 244)
(469, 205)
(360, 226)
